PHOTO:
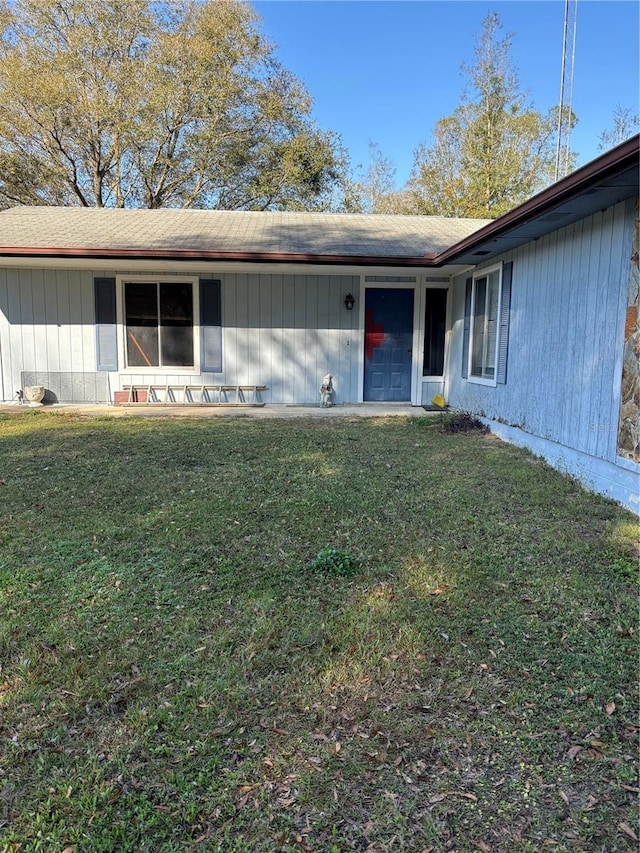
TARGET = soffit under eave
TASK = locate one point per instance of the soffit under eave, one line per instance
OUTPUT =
(597, 199)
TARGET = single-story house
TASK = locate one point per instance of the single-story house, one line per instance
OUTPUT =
(529, 321)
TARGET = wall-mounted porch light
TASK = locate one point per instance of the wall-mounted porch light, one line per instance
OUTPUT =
(349, 302)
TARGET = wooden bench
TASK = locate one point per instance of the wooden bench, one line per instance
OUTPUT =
(189, 395)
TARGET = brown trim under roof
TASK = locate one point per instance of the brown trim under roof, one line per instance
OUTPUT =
(194, 255)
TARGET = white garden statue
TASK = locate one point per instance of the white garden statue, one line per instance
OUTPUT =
(326, 391)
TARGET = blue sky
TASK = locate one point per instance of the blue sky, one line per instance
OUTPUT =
(387, 70)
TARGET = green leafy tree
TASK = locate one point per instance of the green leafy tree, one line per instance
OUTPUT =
(495, 151)
(146, 104)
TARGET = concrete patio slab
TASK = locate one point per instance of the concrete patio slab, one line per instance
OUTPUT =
(361, 410)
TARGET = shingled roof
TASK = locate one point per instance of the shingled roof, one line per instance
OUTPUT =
(210, 234)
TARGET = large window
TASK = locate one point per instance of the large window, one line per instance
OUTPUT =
(159, 324)
(485, 337)
(485, 301)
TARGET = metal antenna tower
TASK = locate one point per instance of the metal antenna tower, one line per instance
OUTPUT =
(563, 150)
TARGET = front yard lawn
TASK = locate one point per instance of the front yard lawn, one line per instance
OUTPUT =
(250, 636)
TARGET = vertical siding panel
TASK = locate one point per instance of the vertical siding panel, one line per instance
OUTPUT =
(537, 338)
(64, 327)
(51, 321)
(265, 330)
(228, 326)
(6, 378)
(573, 297)
(600, 413)
(587, 354)
(568, 297)
(289, 343)
(275, 393)
(615, 277)
(242, 315)
(299, 338)
(88, 316)
(334, 352)
(566, 284)
(590, 356)
(252, 329)
(17, 332)
(76, 351)
(39, 320)
(324, 359)
(311, 350)
(28, 327)
(549, 319)
(521, 334)
(232, 322)
(579, 273)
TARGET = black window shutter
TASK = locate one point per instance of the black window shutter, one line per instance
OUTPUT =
(466, 328)
(106, 323)
(210, 326)
(505, 310)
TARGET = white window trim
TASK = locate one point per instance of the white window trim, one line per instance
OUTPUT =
(484, 380)
(121, 280)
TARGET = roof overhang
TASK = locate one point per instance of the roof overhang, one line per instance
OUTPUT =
(604, 182)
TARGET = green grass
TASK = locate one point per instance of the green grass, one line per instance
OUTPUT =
(243, 635)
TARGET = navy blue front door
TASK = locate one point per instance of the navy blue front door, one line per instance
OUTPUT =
(388, 339)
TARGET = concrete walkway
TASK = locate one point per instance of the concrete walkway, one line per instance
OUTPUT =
(351, 410)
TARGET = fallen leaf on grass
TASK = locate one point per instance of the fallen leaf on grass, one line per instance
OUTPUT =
(574, 751)
(481, 845)
(124, 684)
(438, 798)
(242, 802)
(628, 831)
(610, 708)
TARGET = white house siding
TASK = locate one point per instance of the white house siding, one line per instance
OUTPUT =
(564, 364)
(46, 324)
(283, 331)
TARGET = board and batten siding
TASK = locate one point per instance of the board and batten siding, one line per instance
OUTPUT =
(565, 340)
(46, 324)
(287, 332)
(282, 331)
